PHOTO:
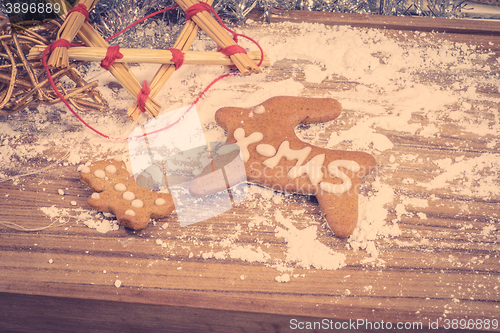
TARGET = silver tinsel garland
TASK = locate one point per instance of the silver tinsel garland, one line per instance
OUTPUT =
(111, 16)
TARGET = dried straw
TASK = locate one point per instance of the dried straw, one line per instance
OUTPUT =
(59, 56)
(149, 56)
(213, 29)
(183, 43)
(24, 82)
(91, 38)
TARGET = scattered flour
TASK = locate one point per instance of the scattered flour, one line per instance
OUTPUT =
(303, 247)
(91, 219)
(388, 96)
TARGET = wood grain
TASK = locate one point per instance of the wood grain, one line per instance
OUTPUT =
(440, 268)
(413, 23)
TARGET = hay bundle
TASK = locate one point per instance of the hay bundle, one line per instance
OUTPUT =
(24, 82)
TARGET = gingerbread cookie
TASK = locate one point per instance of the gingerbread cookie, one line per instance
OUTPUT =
(275, 157)
(115, 191)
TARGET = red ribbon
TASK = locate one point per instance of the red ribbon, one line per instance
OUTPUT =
(58, 43)
(143, 96)
(112, 53)
(177, 57)
(82, 9)
(195, 9)
(232, 49)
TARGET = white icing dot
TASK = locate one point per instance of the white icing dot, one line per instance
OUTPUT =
(118, 158)
(128, 196)
(95, 196)
(259, 109)
(266, 150)
(110, 169)
(85, 169)
(130, 212)
(137, 203)
(120, 187)
(160, 202)
(99, 174)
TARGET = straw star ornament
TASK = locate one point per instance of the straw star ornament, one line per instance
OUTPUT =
(198, 17)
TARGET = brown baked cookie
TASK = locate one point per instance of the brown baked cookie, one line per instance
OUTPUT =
(276, 158)
(115, 191)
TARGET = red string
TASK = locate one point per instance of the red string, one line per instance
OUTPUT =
(82, 9)
(177, 57)
(139, 21)
(145, 91)
(196, 8)
(232, 49)
(202, 6)
(64, 43)
(187, 110)
(112, 53)
(143, 96)
(58, 43)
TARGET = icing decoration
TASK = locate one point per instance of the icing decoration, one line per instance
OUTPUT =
(259, 109)
(334, 171)
(290, 154)
(266, 150)
(118, 193)
(130, 212)
(85, 169)
(128, 196)
(99, 174)
(137, 203)
(311, 168)
(118, 158)
(281, 115)
(160, 202)
(243, 142)
(120, 187)
(110, 169)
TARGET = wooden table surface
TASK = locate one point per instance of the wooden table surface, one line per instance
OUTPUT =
(62, 279)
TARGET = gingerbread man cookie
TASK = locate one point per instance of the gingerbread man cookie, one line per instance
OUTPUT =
(275, 157)
(115, 191)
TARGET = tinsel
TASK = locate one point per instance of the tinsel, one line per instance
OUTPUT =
(159, 32)
(111, 16)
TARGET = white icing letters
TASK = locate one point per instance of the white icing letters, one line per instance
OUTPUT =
(266, 150)
(290, 154)
(243, 142)
(311, 168)
(333, 170)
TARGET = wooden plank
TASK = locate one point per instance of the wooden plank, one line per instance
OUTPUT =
(442, 267)
(413, 23)
(21, 313)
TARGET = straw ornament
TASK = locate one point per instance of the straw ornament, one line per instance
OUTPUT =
(62, 50)
(23, 81)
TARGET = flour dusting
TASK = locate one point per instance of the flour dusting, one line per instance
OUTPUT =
(387, 95)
